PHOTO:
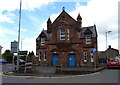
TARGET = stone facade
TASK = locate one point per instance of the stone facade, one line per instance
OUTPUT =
(65, 40)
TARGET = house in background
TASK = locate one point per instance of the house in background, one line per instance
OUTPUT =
(65, 40)
(110, 52)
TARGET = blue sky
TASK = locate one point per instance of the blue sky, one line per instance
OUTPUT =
(104, 13)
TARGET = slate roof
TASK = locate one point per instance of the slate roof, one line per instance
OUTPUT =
(91, 28)
(81, 34)
(46, 34)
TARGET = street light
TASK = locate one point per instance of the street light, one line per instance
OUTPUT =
(19, 36)
(106, 42)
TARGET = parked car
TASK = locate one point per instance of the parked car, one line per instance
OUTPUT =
(21, 61)
(3, 61)
(118, 57)
(113, 63)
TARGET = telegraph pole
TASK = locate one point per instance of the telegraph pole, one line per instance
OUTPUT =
(19, 36)
(106, 43)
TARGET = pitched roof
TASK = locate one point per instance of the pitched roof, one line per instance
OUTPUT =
(91, 28)
(63, 14)
(45, 32)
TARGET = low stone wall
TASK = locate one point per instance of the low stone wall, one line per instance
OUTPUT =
(76, 72)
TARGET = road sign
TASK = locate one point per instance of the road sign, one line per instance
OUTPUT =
(94, 50)
(22, 52)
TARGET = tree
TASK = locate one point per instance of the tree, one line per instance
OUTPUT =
(7, 55)
(30, 56)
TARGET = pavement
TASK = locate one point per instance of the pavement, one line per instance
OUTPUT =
(46, 71)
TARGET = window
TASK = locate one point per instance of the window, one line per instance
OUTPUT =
(39, 55)
(88, 40)
(85, 56)
(92, 58)
(62, 34)
(44, 56)
(68, 32)
(42, 41)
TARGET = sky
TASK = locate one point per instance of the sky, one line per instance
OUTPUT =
(35, 13)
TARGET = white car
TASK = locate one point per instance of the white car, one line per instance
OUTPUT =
(21, 61)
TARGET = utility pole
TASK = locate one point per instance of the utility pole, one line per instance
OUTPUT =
(19, 36)
(106, 43)
(21, 43)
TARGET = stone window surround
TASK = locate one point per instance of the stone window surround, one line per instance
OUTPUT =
(65, 34)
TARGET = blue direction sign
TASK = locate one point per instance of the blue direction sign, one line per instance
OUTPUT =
(94, 50)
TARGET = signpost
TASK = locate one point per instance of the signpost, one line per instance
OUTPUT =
(94, 51)
(23, 53)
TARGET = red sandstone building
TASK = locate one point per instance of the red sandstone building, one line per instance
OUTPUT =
(65, 40)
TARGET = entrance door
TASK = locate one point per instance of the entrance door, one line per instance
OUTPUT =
(72, 60)
(54, 59)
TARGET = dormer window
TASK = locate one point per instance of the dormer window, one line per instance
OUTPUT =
(88, 39)
(42, 41)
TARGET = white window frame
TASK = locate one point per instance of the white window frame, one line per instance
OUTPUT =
(68, 34)
(42, 41)
(62, 34)
(88, 39)
(44, 56)
(92, 57)
(85, 55)
(39, 55)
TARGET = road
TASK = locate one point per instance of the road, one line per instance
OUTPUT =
(6, 67)
(105, 76)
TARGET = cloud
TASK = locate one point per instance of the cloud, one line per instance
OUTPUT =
(32, 4)
(4, 18)
(12, 5)
(29, 44)
(24, 30)
(4, 32)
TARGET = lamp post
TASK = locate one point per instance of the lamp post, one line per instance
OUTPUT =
(106, 43)
(19, 36)
(21, 43)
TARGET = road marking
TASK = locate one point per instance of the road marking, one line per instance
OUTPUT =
(1, 73)
(51, 77)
